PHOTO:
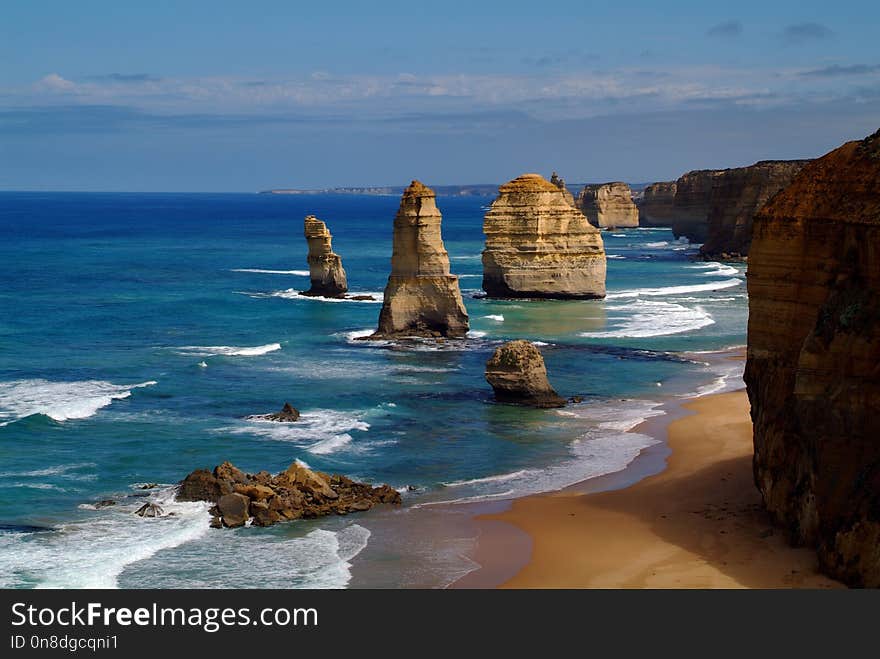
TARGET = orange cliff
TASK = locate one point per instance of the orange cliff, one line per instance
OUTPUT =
(813, 369)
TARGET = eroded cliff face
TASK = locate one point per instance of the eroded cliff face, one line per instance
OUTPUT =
(325, 268)
(690, 207)
(422, 298)
(656, 207)
(737, 194)
(609, 205)
(538, 245)
(813, 369)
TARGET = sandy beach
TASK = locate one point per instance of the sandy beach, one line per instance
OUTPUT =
(696, 524)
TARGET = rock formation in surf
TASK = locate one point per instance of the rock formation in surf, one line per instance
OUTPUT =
(517, 374)
(297, 492)
(288, 414)
(813, 369)
(690, 207)
(538, 245)
(609, 205)
(325, 268)
(656, 205)
(737, 194)
(422, 298)
(559, 182)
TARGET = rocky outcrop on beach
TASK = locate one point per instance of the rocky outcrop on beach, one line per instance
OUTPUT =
(813, 369)
(298, 492)
(690, 206)
(559, 182)
(422, 298)
(609, 205)
(539, 246)
(517, 374)
(657, 204)
(325, 267)
(737, 194)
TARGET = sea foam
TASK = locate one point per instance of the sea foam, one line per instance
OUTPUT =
(228, 351)
(60, 401)
(647, 318)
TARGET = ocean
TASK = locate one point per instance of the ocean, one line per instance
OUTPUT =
(139, 331)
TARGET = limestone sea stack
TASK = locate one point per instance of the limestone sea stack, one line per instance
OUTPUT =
(609, 205)
(422, 298)
(737, 194)
(517, 374)
(539, 246)
(813, 368)
(559, 182)
(656, 206)
(325, 268)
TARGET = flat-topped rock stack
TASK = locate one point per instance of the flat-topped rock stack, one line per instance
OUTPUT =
(422, 297)
(609, 205)
(325, 267)
(539, 246)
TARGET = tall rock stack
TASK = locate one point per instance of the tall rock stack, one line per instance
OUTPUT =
(737, 194)
(559, 182)
(325, 267)
(422, 298)
(609, 205)
(656, 207)
(539, 246)
(813, 369)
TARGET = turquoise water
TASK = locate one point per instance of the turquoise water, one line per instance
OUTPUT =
(138, 331)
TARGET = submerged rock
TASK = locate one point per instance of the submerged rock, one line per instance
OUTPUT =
(538, 245)
(813, 366)
(288, 414)
(517, 374)
(297, 492)
(609, 205)
(422, 298)
(325, 267)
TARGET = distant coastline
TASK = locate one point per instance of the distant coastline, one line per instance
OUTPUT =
(467, 190)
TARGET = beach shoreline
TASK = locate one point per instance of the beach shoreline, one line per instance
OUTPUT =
(696, 522)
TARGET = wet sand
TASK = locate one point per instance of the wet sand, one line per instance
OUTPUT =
(696, 524)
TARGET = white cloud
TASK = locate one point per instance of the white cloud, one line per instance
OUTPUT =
(54, 82)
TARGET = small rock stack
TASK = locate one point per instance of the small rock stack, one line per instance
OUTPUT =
(325, 267)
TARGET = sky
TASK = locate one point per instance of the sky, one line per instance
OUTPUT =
(234, 96)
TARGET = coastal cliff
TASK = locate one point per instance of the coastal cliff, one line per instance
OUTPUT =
(737, 194)
(609, 205)
(538, 245)
(813, 369)
(325, 267)
(422, 298)
(690, 207)
(656, 207)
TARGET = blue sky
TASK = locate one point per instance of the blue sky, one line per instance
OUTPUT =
(232, 96)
